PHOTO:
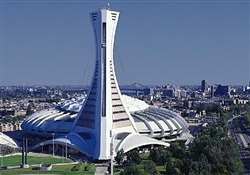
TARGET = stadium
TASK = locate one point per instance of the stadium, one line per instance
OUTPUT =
(104, 121)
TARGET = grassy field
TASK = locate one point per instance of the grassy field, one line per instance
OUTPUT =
(56, 169)
(145, 156)
(17, 160)
(65, 169)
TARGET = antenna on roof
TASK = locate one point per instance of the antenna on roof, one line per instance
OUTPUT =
(106, 7)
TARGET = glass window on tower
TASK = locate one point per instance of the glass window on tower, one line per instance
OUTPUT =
(104, 32)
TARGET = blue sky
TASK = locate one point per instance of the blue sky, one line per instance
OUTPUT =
(157, 42)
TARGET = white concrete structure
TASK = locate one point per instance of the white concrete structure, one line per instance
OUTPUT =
(103, 113)
(7, 141)
(105, 121)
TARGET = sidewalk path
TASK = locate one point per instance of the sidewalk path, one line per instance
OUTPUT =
(101, 170)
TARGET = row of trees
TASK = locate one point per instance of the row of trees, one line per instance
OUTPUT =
(12, 119)
(5, 150)
(214, 153)
(247, 115)
(134, 165)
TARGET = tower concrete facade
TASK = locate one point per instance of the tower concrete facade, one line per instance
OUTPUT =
(103, 113)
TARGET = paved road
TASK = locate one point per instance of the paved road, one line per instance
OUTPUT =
(243, 141)
(101, 170)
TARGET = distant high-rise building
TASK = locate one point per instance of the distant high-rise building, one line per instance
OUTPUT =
(204, 86)
(177, 92)
(168, 93)
(195, 94)
(222, 90)
(212, 89)
(167, 86)
(183, 93)
(188, 103)
(149, 91)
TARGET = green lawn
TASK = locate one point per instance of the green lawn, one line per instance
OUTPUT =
(145, 156)
(56, 169)
(17, 160)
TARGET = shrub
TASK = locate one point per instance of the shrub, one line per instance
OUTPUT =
(75, 168)
(86, 168)
(36, 168)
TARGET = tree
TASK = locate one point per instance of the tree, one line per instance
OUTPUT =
(134, 156)
(169, 166)
(29, 110)
(132, 169)
(187, 164)
(150, 167)
(19, 117)
(159, 155)
(177, 150)
(155, 155)
(164, 154)
(216, 153)
(119, 156)
(7, 119)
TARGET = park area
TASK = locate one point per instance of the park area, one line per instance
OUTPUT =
(60, 166)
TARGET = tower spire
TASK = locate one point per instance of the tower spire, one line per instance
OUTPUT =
(103, 111)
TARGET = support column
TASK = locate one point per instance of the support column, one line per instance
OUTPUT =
(24, 154)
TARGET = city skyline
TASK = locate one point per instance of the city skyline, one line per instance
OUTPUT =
(51, 42)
